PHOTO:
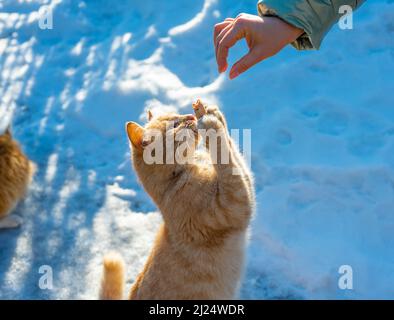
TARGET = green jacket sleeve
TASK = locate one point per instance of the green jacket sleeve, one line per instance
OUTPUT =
(315, 17)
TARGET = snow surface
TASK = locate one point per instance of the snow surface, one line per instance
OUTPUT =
(322, 143)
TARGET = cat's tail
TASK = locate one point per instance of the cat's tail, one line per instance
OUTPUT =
(112, 283)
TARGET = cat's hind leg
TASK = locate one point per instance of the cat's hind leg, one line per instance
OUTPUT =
(10, 222)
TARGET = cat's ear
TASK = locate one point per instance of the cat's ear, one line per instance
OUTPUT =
(150, 115)
(135, 133)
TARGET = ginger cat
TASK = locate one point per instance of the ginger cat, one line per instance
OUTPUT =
(16, 172)
(206, 208)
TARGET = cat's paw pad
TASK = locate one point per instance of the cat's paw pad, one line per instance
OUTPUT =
(199, 109)
(10, 222)
(208, 114)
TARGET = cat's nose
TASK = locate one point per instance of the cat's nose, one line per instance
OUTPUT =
(190, 117)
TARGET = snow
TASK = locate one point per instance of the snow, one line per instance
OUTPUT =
(322, 143)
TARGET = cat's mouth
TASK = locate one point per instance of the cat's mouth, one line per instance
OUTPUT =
(191, 123)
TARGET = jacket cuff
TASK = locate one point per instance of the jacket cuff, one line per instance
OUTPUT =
(314, 17)
(303, 42)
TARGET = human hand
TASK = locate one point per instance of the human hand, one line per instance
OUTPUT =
(265, 36)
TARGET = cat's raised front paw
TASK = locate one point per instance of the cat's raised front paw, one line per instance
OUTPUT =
(214, 110)
(200, 110)
(209, 121)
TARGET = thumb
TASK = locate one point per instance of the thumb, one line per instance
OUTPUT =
(246, 62)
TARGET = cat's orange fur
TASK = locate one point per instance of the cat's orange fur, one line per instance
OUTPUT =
(199, 249)
(16, 172)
